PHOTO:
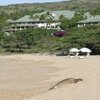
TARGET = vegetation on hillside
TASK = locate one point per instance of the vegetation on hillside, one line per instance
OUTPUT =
(43, 40)
(19, 10)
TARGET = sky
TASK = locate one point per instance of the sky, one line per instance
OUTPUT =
(7, 2)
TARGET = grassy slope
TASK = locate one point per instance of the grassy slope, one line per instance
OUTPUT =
(72, 5)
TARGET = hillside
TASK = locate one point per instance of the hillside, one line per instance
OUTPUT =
(85, 4)
(32, 7)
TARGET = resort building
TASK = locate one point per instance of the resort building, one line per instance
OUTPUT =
(50, 21)
(23, 23)
(93, 20)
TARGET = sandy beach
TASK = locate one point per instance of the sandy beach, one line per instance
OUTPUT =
(29, 76)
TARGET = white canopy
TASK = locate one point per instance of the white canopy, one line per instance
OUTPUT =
(73, 50)
(85, 50)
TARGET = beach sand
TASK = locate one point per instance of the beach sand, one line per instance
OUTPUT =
(29, 76)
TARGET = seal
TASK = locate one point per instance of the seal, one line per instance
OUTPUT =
(66, 82)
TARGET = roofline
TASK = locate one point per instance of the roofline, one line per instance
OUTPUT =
(27, 21)
(88, 22)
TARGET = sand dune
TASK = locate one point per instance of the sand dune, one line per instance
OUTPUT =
(28, 77)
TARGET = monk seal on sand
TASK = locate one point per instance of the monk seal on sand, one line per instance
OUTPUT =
(66, 82)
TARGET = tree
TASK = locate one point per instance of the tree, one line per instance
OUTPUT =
(43, 17)
(2, 36)
(61, 17)
(78, 16)
(70, 23)
(18, 37)
(8, 42)
(67, 24)
(95, 11)
(35, 17)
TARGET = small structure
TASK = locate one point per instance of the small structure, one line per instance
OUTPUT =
(73, 52)
(85, 51)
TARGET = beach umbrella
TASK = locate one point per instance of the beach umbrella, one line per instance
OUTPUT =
(73, 50)
(85, 50)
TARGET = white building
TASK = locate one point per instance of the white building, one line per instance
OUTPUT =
(34, 22)
(93, 20)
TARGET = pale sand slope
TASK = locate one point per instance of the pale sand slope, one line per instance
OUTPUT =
(28, 77)
(23, 76)
(87, 69)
